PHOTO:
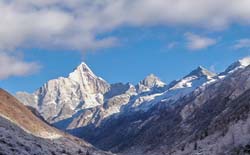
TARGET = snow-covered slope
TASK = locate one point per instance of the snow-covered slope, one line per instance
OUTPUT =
(174, 91)
(198, 77)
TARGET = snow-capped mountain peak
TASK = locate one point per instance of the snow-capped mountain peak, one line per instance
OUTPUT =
(61, 98)
(88, 81)
(194, 79)
(200, 72)
(149, 82)
(80, 70)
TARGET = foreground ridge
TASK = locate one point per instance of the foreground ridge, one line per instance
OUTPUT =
(22, 133)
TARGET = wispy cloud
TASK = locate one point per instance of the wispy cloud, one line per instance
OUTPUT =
(15, 66)
(212, 68)
(172, 45)
(196, 42)
(242, 43)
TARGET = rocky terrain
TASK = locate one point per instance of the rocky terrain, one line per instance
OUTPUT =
(22, 133)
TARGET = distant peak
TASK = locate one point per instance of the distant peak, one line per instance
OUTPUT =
(238, 64)
(201, 71)
(151, 80)
(151, 76)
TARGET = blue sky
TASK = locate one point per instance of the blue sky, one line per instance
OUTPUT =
(141, 51)
(124, 50)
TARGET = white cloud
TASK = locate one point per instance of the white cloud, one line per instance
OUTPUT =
(75, 24)
(13, 66)
(242, 43)
(196, 42)
(78, 24)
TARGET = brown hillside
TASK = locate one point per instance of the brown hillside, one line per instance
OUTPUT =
(16, 112)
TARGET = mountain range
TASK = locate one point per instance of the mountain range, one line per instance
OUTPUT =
(83, 94)
(201, 113)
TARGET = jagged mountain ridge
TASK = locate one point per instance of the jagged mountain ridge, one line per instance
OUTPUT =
(84, 98)
(22, 133)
